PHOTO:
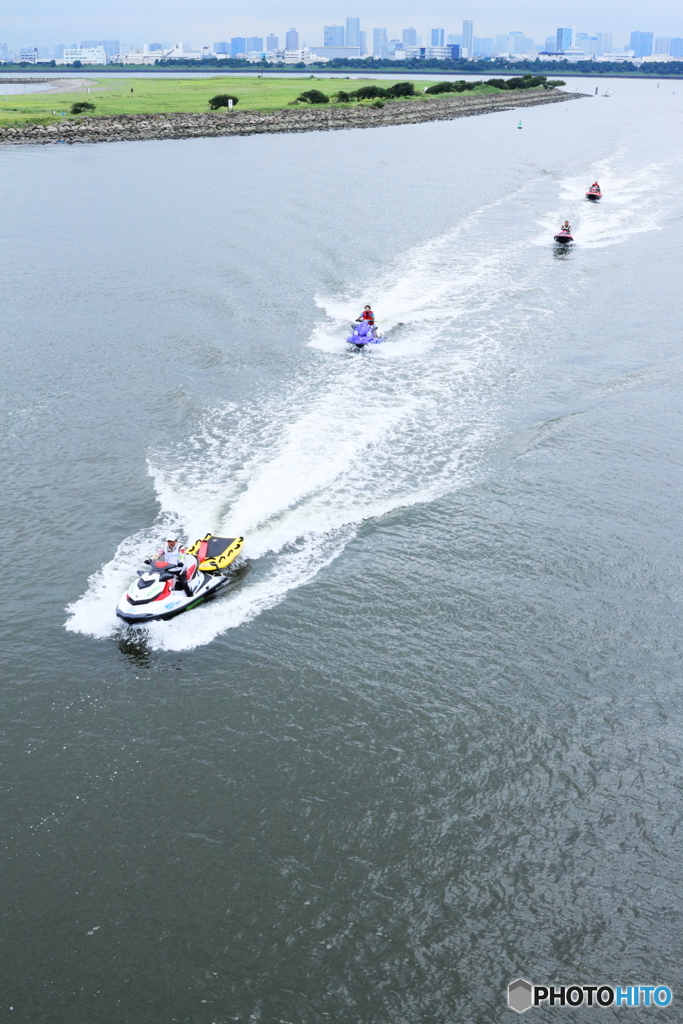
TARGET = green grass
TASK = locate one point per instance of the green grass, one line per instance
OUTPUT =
(177, 95)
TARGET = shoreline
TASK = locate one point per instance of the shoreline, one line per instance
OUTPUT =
(137, 127)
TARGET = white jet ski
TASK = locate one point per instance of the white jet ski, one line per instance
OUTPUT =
(162, 591)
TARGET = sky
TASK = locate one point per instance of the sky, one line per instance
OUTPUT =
(44, 22)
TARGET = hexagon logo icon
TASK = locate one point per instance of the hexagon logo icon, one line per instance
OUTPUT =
(519, 995)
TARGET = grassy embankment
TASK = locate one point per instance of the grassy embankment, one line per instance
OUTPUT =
(173, 96)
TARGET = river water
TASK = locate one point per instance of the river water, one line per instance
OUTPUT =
(432, 738)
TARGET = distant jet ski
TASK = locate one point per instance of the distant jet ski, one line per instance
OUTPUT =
(563, 237)
(594, 193)
(364, 333)
(160, 593)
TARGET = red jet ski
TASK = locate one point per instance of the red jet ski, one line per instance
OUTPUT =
(594, 192)
(563, 236)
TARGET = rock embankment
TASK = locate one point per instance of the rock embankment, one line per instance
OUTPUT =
(291, 119)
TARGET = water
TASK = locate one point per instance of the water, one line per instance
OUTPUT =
(15, 88)
(431, 738)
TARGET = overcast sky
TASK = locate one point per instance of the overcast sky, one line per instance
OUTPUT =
(43, 22)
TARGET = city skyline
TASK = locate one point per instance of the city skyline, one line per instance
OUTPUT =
(46, 22)
(351, 42)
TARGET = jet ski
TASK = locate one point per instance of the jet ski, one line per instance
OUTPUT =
(364, 334)
(160, 592)
(563, 237)
(594, 193)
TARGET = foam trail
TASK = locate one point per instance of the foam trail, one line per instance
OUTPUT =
(634, 201)
(358, 436)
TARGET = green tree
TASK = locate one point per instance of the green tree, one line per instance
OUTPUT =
(313, 96)
(222, 100)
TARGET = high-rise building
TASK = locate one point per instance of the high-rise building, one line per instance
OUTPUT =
(582, 41)
(238, 46)
(467, 38)
(483, 47)
(437, 37)
(502, 44)
(221, 48)
(353, 31)
(380, 43)
(676, 47)
(254, 44)
(604, 43)
(563, 39)
(292, 40)
(363, 43)
(641, 44)
(550, 44)
(515, 42)
(110, 46)
(272, 42)
(333, 35)
(662, 44)
(409, 37)
(453, 40)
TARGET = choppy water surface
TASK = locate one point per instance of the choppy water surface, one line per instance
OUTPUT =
(431, 739)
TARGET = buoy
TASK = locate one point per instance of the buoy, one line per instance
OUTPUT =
(519, 125)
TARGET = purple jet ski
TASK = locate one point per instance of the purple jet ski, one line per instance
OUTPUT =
(364, 333)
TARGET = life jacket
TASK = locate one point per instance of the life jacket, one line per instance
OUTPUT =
(367, 314)
(171, 557)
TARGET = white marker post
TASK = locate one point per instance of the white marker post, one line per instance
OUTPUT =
(229, 106)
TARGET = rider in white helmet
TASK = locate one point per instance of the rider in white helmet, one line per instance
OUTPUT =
(174, 555)
(171, 551)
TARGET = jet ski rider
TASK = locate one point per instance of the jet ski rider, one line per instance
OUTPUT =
(368, 315)
(177, 558)
(171, 553)
(566, 227)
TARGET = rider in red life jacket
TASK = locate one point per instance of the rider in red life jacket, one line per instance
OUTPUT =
(368, 315)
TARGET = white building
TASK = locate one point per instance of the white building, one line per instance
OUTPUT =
(427, 53)
(295, 56)
(143, 54)
(140, 55)
(28, 56)
(336, 52)
(86, 55)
